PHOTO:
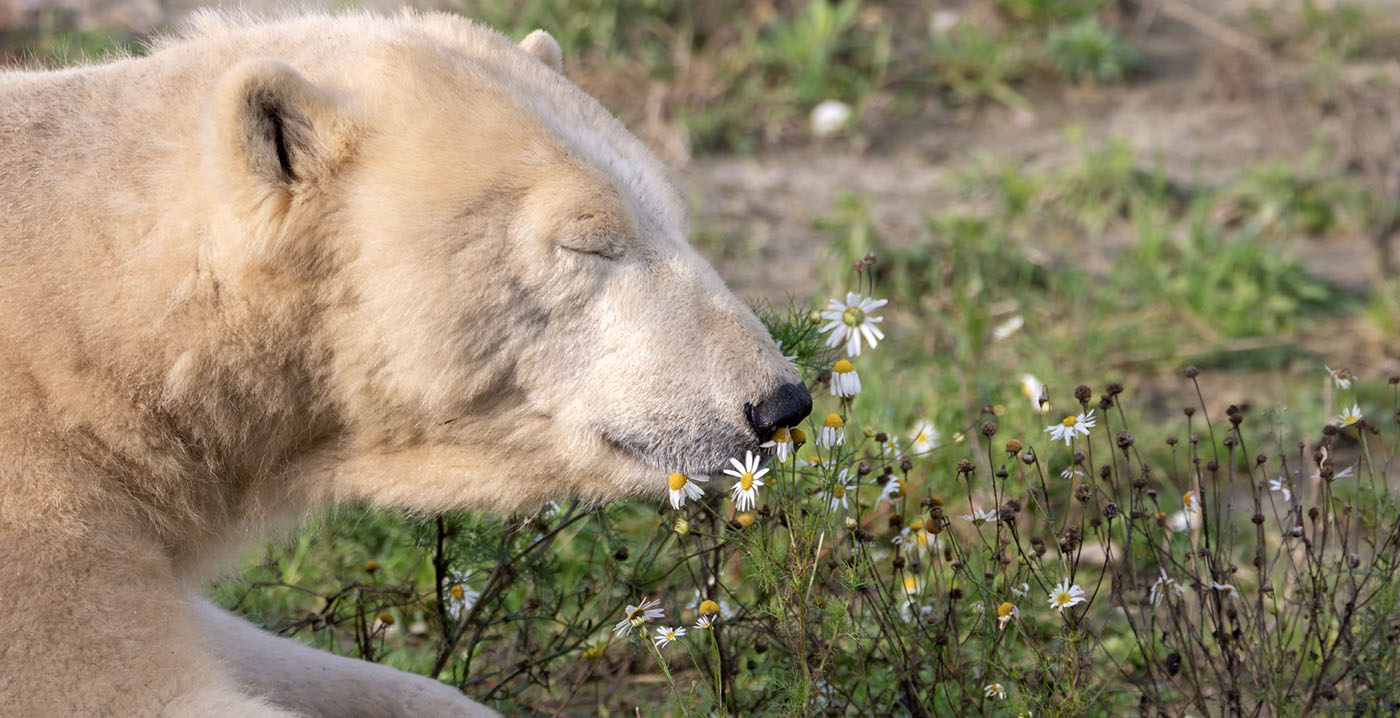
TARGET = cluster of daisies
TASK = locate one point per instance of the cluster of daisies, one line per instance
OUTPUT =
(636, 617)
(851, 323)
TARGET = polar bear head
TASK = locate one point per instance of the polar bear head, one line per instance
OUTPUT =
(506, 309)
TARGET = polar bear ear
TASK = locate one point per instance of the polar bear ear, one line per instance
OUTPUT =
(545, 49)
(269, 124)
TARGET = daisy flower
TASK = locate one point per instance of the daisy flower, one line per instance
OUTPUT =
(685, 487)
(994, 690)
(666, 636)
(704, 622)
(833, 431)
(851, 320)
(895, 488)
(845, 382)
(1020, 591)
(1070, 472)
(922, 437)
(889, 449)
(637, 616)
(707, 607)
(1066, 595)
(916, 538)
(1163, 584)
(1071, 426)
(979, 517)
(781, 444)
(1350, 416)
(750, 478)
(913, 585)
(1034, 390)
(1227, 588)
(1189, 517)
(836, 497)
(460, 596)
(1342, 377)
(1006, 613)
(1277, 485)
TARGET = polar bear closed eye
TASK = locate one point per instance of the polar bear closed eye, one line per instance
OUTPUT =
(274, 266)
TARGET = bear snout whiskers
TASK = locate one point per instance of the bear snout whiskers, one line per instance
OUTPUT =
(786, 406)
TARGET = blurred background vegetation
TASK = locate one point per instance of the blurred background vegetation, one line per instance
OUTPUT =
(1079, 190)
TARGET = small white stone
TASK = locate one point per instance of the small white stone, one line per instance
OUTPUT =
(944, 20)
(829, 117)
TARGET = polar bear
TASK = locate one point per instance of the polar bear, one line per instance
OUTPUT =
(276, 265)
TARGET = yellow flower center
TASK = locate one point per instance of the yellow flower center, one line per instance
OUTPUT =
(910, 585)
(844, 367)
(1063, 598)
(780, 436)
(635, 616)
(1070, 421)
(916, 525)
(833, 421)
(677, 481)
(799, 436)
(746, 481)
(1005, 609)
(456, 591)
(1189, 499)
(839, 492)
(708, 607)
(853, 317)
(745, 519)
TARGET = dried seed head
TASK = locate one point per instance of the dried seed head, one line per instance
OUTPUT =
(864, 469)
(882, 437)
(1083, 493)
(1083, 393)
(1189, 411)
(1070, 538)
(1028, 457)
(1013, 446)
(1171, 441)
(1235, 419)
(1115, 388)
(1329, 430)
(1192, 372)
(965, 467)
(1110, 511)
(1105, 471)
(1261, 459)
(1002, 473)
(1258, 519)
(905, 464)
(955, 593)
(621, 554)
(1105, 403)
(371, 566)
(1124, 439)
(898, 562)
(989, 429)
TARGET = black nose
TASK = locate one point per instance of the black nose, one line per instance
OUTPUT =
(785, 407)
